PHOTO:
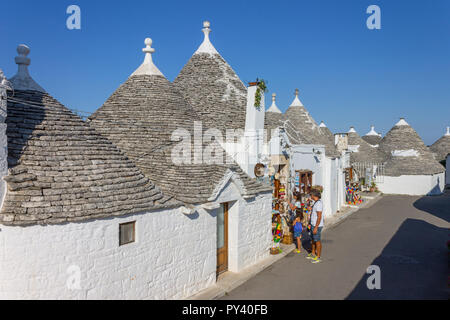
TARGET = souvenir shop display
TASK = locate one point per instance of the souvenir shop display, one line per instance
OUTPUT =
(277, 234)
(303, 180)
(353, 197)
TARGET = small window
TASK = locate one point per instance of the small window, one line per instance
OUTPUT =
(126, 233)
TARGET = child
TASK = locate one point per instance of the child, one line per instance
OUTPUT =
(298, 228)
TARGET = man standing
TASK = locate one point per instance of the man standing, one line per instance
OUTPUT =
(316, 227)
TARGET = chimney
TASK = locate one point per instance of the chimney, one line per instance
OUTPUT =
(254, 129)
(254, 119)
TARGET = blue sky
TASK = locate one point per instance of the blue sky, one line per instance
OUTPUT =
(347, 74)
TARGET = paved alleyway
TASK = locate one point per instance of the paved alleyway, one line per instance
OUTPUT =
(405, 236)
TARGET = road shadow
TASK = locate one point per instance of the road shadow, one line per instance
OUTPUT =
(438, 206)
(413, 265)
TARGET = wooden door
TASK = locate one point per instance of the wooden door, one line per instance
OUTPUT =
(222, 239)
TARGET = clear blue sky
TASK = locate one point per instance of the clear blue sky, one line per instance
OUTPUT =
(346, 73)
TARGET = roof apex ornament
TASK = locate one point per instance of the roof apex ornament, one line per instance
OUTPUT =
(402, 122)
(352, 129)
(448, 132)
(206, 46)
(274, 107)
(372, 132)
(148, 67)
(322, 124)
(22, 80)
(296, 102)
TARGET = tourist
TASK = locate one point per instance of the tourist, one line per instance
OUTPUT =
(316, 225)
(298, 228)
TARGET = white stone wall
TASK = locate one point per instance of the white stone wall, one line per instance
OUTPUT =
(174, 256)
(413, 185)
(250, 232)
(249, 227)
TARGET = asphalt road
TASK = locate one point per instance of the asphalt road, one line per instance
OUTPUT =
(405, 236)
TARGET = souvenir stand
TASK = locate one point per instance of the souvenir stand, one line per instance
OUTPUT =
(303, 183)
(280, 218)
(353, 197)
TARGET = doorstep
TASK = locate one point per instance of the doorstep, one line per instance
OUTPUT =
(231, 280)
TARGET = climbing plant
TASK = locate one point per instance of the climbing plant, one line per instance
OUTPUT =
(262, 88)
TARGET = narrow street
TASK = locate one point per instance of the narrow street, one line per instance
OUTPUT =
(405, 236)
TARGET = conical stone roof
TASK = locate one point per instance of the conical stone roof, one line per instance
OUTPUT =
(308, 128)
(141, 116)
(361, 150)
(407, 154)
(212, 88)
(273, 118)
(61, 169)
(372, 137)
(441, 148)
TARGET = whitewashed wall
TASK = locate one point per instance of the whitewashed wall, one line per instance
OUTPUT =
(249, 227)
(413, 185)
(174, 257)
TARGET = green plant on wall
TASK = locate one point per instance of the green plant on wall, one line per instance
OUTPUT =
(260, 90)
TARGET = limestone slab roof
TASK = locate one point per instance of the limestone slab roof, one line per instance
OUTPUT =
(213, 88)
(308, 128)
(140, 118)
(403, 137)
(62, 170)
(441, 147)
(372, 139)
(273, 120)
(365, 151)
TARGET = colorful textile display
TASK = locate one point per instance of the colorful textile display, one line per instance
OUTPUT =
(353, 196)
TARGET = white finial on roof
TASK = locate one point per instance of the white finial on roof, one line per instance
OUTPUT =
(148, 67)
(352, 129)
(448, 132)
(322, 124)
(22, 80)
(206, 46)
(296, 102)
(402, 122)
(273, 107)
(372, 132)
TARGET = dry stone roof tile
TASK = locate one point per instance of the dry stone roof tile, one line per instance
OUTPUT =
(366, 152)
(140, 118)
(62, 170)
(441, 148)
(214, 91)
(309, 130)
(404, 137)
